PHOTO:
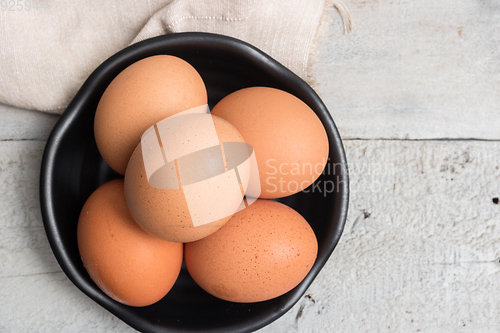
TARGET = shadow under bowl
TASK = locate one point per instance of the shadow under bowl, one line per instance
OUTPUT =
(72, 169)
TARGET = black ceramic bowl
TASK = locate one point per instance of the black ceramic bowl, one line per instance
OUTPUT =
(72, 169)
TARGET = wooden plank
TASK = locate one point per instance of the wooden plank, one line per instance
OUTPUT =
(35, 293)
(412, 69)
(24, 248)
(420, 249)
(20, 124)
(51, 303)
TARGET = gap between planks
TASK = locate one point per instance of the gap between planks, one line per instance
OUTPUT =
(344, 139)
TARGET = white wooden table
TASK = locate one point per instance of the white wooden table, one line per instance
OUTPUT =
(415, 92)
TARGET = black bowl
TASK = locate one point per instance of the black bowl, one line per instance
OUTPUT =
(72, 169)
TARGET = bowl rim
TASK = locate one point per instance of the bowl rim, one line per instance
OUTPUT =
(56, 136)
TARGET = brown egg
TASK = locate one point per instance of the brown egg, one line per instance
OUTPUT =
(164, 212)
(144, 93)
(263, 252)
(290, 142)
(125, 262)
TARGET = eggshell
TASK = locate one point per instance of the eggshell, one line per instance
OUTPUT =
(164, 212)
(125, 262)
(144, 93)
(263, 252)
(290, 142)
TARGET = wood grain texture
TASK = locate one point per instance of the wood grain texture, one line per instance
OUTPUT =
(36, 296)
(412, 69)
(20, 124)
(420, 249)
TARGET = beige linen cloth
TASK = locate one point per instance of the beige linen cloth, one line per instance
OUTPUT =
(47, 53)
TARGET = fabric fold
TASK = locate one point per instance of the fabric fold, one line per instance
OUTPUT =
(44, 64)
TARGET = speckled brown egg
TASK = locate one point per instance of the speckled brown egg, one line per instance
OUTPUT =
(126, 263)
(263, 252)
(144, 93)
(164, 212)
(290, 142)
